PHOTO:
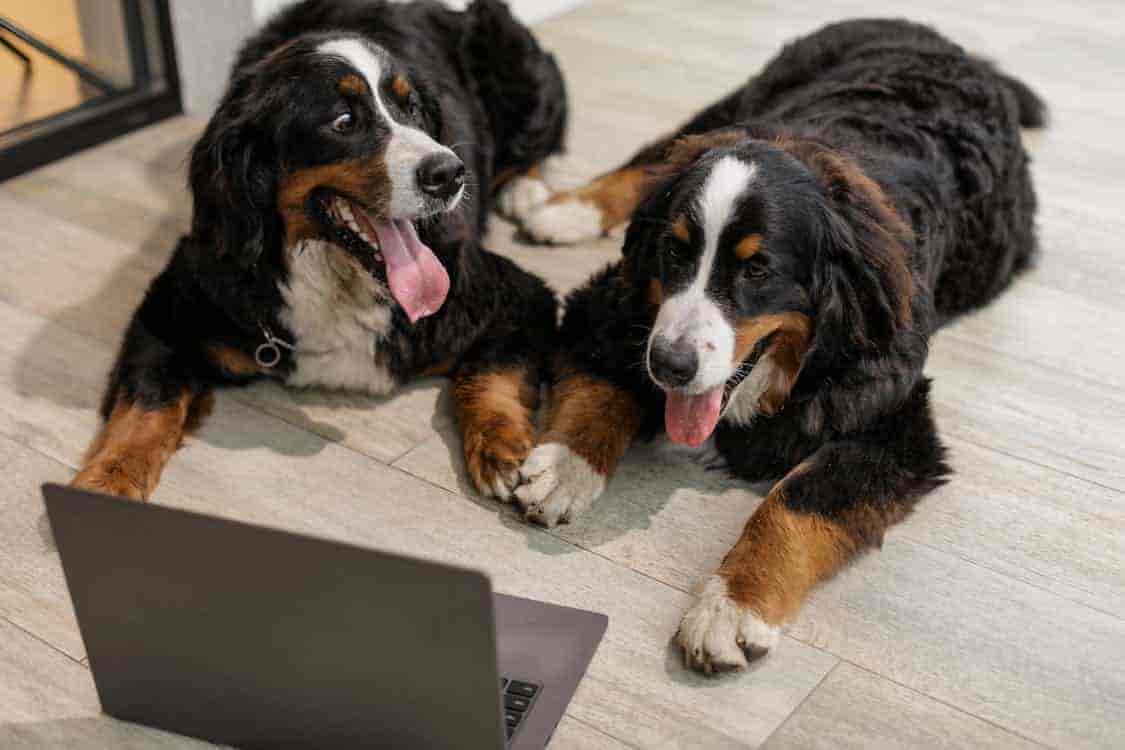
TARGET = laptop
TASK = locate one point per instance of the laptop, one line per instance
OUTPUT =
(257, 638)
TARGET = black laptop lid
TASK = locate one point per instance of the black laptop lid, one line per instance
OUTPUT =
(251, 637)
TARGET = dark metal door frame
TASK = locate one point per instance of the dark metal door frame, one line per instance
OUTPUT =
(148, 100)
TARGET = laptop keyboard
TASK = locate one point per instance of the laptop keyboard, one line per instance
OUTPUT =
(519, 696)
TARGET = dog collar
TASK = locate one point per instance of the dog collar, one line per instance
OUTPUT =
(268, 354)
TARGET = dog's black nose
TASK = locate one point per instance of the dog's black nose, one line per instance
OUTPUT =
(441, 175)
(673, 363)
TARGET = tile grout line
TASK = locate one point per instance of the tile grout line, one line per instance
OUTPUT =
(984, 566)
(40, 639)
(600, 731)
(1039, 464)
(803, 701)
(976, 341)
(947, 704)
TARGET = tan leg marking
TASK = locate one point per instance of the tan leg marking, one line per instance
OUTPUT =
(780, 556)
(615, 195)
(594, 418)
(590, 425)
(494, 412)
(129, 454)
(233, 362)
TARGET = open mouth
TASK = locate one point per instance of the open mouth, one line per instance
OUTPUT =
(417, 279)
(691, 418)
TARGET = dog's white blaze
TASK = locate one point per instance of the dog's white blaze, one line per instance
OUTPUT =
(690, 314)
(407, 146)
(338, 315)
(727, 182)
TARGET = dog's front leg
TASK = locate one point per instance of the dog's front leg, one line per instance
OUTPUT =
(831, 508)
(590, 424)
(495, 408)
(151, 400)
(135, 442)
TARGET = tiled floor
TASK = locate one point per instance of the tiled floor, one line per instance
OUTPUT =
(994, 616)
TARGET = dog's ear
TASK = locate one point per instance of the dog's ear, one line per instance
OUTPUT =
(862, 283)
(234, 180)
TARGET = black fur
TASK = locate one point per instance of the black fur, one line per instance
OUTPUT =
(484, 88)
(893, 193)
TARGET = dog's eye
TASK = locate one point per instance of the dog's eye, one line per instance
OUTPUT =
(343, 123)
(755, 269)
(676, 249)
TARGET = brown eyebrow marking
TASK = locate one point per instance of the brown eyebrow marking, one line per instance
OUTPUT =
(401, 86)
(353, 84)
(749, 245)
(680, 229)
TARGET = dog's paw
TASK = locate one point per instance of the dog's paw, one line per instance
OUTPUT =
(558, 484)
(564, 222)
(718, 634)
(493, 458)
(520, 197)
(110, 478)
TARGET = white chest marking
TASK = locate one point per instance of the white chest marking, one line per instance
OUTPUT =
(338, 315)
(742, 406)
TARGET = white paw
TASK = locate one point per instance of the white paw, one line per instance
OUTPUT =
(565, 222)
(717, 633)
(558, 485)
(556, 171)
(519, 197)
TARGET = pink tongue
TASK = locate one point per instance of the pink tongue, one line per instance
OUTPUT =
(690, 419)
(418, 280)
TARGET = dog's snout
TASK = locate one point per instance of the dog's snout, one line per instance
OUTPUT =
(441, 175)
(673, 363)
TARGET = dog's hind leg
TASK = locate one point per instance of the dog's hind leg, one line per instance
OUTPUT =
(589, 211)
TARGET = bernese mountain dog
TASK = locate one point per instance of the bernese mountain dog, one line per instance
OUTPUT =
(791, 251)
(340, 193)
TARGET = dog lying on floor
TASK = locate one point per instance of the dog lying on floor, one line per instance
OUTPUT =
(791, 251)
(335, 234)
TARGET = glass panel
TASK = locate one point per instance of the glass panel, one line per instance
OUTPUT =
(74, 73)
(58, 54)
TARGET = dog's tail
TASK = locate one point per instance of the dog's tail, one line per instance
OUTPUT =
(1032, 110)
